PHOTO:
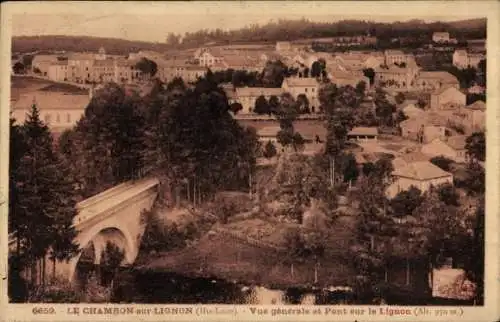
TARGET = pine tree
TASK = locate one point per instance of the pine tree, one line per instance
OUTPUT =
(44, 199)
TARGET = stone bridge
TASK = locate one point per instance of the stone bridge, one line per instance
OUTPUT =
(114, 215)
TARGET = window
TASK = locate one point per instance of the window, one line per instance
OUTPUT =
(312, 89)
(68, 118)
(58, 118)
(306, 89)
(47, 118)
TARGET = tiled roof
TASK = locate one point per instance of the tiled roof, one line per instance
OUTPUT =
(301, 82)
(364, 131)
(52, 101)
(445, 77)
(44, 59)
(421, 170)
(457, 142)
(257, 91)
(414, 157)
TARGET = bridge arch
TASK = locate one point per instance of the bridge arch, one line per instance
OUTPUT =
(98, 236)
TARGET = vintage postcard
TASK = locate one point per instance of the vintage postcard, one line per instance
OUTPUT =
(250, 161)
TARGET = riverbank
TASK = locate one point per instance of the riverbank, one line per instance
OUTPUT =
(226, 254)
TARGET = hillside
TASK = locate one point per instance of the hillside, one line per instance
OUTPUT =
(26, 44)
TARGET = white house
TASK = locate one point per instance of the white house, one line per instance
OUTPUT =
(247, 96)
(447, 98)
(463, 59)
(441, 37)
(452, 147)
(421, 174)
(307, 86)
(60, 111)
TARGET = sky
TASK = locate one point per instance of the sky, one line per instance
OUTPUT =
(149, 21)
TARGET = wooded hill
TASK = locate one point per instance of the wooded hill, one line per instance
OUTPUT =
(268, 33)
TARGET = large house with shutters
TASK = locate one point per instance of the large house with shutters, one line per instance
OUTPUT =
(420, 174)
(306, 86)
(247, 96)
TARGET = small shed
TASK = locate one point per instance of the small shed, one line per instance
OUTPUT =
(363, 134)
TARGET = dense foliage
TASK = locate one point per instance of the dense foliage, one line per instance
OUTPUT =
(42, 198)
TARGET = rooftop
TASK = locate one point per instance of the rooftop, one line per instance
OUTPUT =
(364, 131)
(457, 142)
(421, 170)
(257, 91)
(300, 82)
(52, 100)
(443, 76)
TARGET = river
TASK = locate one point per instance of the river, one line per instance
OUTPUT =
(161, 287)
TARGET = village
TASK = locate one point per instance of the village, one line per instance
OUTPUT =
(426, 119)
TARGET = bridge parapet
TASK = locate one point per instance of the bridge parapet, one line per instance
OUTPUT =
(111, 198)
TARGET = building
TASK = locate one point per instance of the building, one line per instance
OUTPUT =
(397, 57)
(247, 96)
(60, 111)
(283, 46)
(189, 72)
(422, 129)
(470, 118)
(60, 71)
(363, 134)
(41, 63)
(447, 98)
(430, 81)
(463, 59)
(307, 86)
(452, 147)
(441, 37)
(421, 174)
(341, 78)
(396, 78)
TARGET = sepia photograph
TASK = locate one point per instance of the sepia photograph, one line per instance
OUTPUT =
(271, 158)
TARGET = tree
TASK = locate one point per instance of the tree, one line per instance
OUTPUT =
(273, 73)
(44, 205)
(361, 88)
(400, 98)
(108, 140)
(316, 69)
(236, 107)
(405, 202)
(442, 162)
(348, 167)
(448, 195)
(302, 104)
(269, 150)
(193, 142)
(147, 66)
(27, 60)
(421, 103)
(274, 103)
(261, 105)
(384, 109)
(370, 73)
(476, 146)
(18, 68)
